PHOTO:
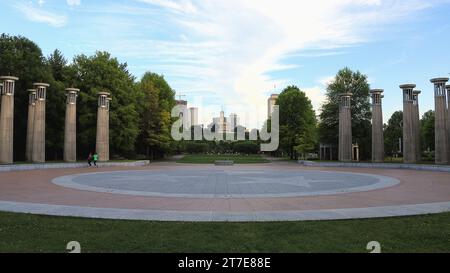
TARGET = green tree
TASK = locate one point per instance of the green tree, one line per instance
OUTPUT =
(297, 121)
(346, 81)
(427, 130)
(22, 58)
(56, 106)
(155, 121)
(393, 132)
(97, 73)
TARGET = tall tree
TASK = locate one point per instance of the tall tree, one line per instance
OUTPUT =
(97, 73)
(22, 58)
(155, 121)
(345, 81)
(297, 121)
(56, 105)
(393, 133)
(427, 130)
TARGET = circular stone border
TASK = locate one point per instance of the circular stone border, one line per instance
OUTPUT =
(383, 182)
(214, 216)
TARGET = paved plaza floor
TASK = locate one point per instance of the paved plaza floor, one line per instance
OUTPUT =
(278, 191)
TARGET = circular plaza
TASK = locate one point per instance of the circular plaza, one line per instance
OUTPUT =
(256, 192)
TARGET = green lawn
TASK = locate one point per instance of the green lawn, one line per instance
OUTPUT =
(31, 233)
(210, 159)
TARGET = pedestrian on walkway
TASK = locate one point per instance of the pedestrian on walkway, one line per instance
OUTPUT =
(89, 159)
(95, 157)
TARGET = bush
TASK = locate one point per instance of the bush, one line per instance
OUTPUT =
(246, 147)
(196, 148)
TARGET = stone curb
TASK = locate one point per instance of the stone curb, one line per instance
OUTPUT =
(417, 167)
(45, 166)
(218, 216)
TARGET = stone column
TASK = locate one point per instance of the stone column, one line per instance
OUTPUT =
(416, 124)
(30, 123)
(7, 119)
(409, 149)
(70, 132)
(38, 151)
(441, 133)
(377, 126)
(102, 143)
(345, 128)
(448, 120)
(108, 104)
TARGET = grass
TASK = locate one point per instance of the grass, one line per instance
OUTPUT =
(210, 159)
(33, 233)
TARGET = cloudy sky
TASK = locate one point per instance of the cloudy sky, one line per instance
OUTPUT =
(232, 54)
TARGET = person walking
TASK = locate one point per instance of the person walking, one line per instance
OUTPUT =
(89, 159)
(95, 157)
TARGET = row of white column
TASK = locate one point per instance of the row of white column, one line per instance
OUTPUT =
(411, 124)
(35, 143)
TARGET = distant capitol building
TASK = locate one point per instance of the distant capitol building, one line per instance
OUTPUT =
(223, 124)
(192, 118)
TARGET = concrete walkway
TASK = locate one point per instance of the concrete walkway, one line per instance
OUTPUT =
(77, 165)
(418, 192)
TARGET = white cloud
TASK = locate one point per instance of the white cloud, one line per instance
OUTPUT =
(73, 2)
(184, 6)
(39, 15)
(230, 47)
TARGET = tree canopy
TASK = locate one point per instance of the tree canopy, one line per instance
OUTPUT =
(156, 103)
(131, 106)
(393, 132)
(297, 122)
(427, 131)
(346, 81)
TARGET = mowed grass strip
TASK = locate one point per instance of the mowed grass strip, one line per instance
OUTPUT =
(210, 159)
(33, 233)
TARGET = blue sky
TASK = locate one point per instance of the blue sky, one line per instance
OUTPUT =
(232, 54)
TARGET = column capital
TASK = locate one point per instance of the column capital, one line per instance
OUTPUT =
(8, 78)
(41, 89)
(72, 94)
(439, 86)
(347, 94)
(439, 80)
(417, 92)
(376, 91)
(447, 87)
(100, 94)
(40, 84)
(72, 90)
(103, 99)
(407, 86)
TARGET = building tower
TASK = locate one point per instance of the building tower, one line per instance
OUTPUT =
(102, 142)
(30, 123)
(70, 130)
(270, 104)
(7, 119)
(441, 132)
(377, 126)
(409, 149)
(345, 128)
